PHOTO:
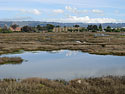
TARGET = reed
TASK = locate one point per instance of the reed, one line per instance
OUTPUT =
(99, 85)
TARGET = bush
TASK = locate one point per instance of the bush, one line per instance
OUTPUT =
(6, 31)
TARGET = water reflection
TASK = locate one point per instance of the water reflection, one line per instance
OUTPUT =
(63, 64)
(11, 63)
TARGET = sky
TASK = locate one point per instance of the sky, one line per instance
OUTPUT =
(69, 11)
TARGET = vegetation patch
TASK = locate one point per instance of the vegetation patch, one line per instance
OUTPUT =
(10, 60)
(100, 85)
(84, 41)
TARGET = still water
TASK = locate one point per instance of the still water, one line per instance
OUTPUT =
(63, 64)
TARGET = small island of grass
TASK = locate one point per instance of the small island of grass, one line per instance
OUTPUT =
(10, 60)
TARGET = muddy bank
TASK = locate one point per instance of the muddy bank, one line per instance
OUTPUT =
(113, 44)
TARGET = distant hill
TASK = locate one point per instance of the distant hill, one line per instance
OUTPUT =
(35, 23)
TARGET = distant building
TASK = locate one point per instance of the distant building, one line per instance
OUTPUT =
(66, 29)
(16, 29)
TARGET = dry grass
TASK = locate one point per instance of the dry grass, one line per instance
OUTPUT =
(102, 85)
(86, 41)
(10, 60)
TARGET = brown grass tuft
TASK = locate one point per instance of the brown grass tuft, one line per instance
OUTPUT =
(10, 60)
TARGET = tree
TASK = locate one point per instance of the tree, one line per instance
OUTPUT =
(50, 26)
(14, 26)
(122, 30)
(108, 29)
(76, 26)
(95, 28)
(27, 29)
(70, 30)
(0, 29)
(90, 27)
(116, 30)
(100, 27)
(57, 26)
(39, 27)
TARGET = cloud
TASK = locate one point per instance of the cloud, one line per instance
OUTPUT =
(26, 10)
(32, 11)
(17, 19)
(75, 10)
(58, 11)
(37, 12)
(70, 9)
(86, 19)
(97, 11)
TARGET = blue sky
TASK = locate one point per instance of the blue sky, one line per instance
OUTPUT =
(85, 11)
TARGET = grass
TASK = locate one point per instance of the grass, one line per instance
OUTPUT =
(111, 44)
(10, 60)
(101, 85)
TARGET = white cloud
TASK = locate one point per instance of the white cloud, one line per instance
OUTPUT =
(86, 19)
(58, 11)
(37, 12)
(70, 9)
(97, 11)
(75, 10)
(32, 11)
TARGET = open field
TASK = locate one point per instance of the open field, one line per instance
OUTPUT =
(94, 43)
(102, 85)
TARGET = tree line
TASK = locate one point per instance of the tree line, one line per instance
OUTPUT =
(49, 28)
